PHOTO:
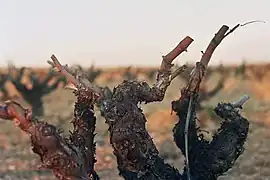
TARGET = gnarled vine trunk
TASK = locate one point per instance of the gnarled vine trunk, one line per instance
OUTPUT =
(137, 156)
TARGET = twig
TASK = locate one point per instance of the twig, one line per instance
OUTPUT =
(64, 70)
(178, 71)
(74, 82)
(239, 103)
(186, 134)
(241, 25)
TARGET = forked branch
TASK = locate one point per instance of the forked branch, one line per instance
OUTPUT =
(136, 153)
(185, 108)
(164, 75)
(70, 159)
(73, 83)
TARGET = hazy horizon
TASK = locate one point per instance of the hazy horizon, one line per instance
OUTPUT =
(119, 33)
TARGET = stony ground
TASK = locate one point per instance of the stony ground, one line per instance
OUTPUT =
(18, 161)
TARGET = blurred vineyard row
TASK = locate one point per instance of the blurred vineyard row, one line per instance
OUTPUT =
(12, 78)
(30, 86)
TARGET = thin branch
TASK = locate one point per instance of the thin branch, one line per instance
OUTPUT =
(74, 82)
(165, 67)
(186, 134)
(220, 35)
(178, 71)
(199, 70)
(241, 25)
(147, 94)
(164, 75)
(64, 70)
(240, 102)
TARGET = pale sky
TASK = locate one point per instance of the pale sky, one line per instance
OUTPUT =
(129, 32)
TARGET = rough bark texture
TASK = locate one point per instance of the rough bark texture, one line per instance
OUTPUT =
(205, 94)
(137, 156)
(209, 160)
(69, 158)
(136, 153)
